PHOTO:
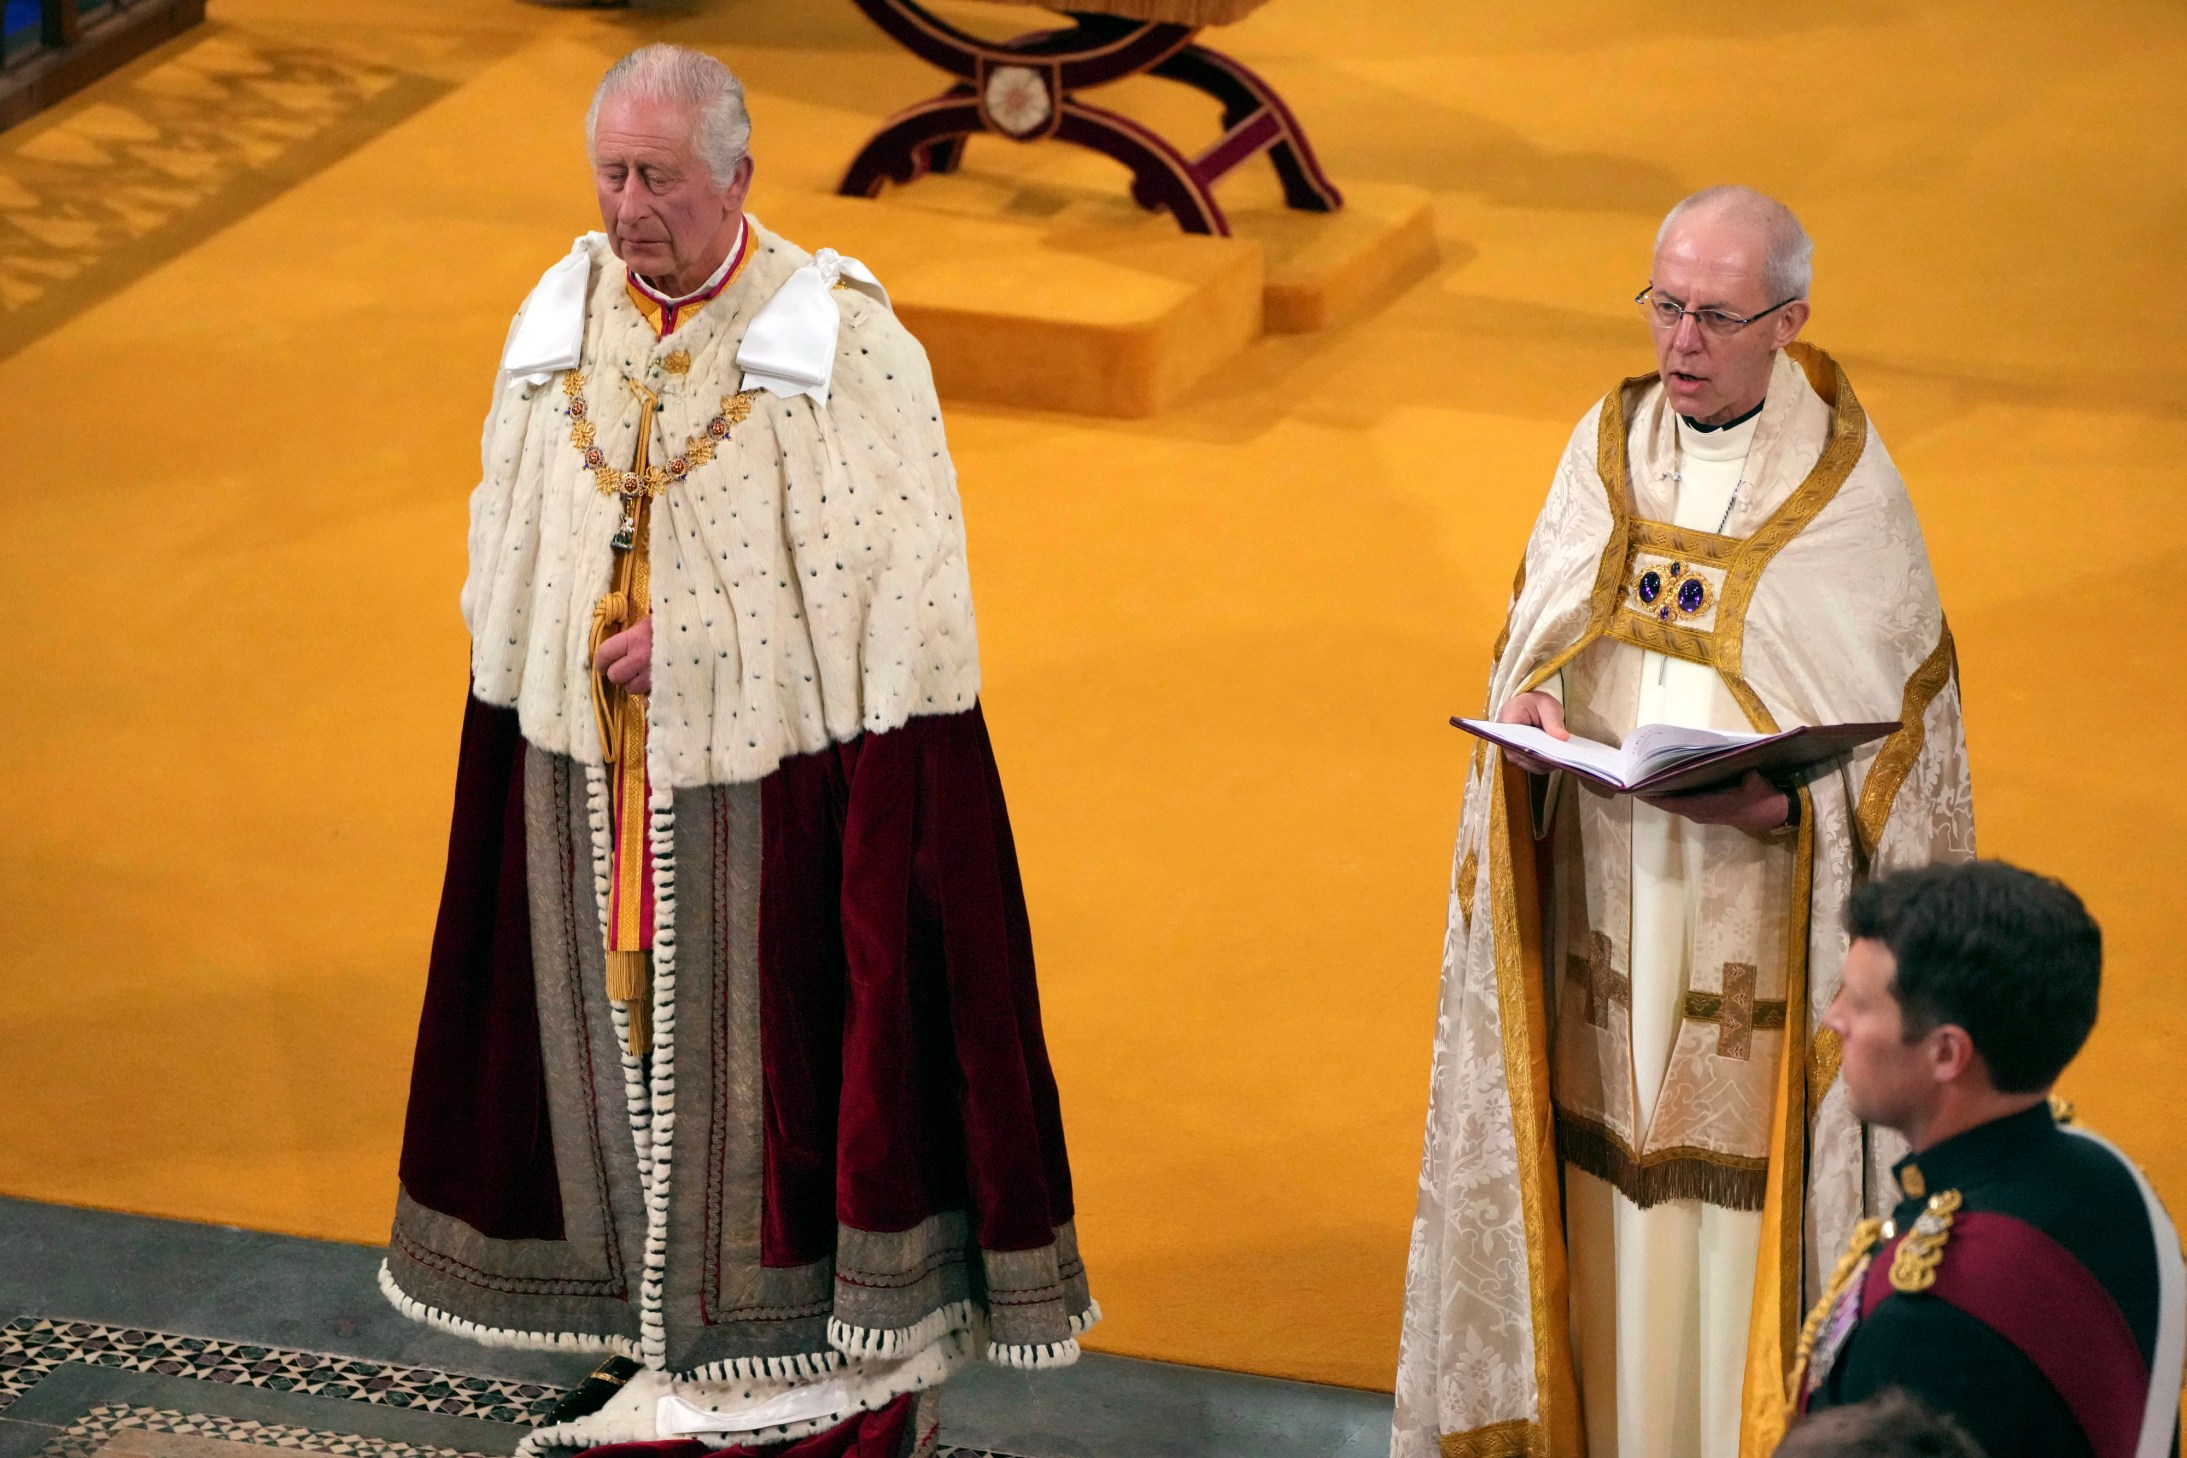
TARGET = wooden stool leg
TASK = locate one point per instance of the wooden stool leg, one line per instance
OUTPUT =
(947, 154)
(912, 143)
(1161, 177)
(1254, 116)
(930, 137)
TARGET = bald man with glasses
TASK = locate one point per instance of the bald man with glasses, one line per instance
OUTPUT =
(1635, 1148)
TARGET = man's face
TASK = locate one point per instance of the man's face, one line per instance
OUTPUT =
(665, 215)
(1714, 261)
(1888, 1080)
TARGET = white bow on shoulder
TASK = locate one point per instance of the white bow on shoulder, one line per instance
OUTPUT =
(790, 347)
(550, 334)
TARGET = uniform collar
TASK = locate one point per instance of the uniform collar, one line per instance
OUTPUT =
(1972, 1154)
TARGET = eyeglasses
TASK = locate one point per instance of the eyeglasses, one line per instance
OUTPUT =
(1665, 314)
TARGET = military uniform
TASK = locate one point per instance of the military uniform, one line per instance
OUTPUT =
(2027, 1284)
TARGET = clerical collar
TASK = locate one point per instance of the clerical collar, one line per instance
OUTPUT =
(1692, 424)
(666, 313)
(1720, 443)
(1972, 1156)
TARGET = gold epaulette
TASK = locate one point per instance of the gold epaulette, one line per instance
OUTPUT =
(1913, 1265)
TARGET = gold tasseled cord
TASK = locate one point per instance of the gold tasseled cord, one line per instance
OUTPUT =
(630, 982)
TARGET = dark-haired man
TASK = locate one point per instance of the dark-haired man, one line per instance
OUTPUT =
(1892, 1424)
(2028, 1283)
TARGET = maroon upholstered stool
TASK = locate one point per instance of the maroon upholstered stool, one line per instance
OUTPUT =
(1027, 89)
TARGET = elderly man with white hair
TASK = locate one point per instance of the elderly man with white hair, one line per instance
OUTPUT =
(730, 1063)
(1636, 1149)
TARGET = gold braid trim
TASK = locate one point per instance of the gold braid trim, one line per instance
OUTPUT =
(1848, 440)
(1515, 904)
(1853, 1263)
(1914, 1263)
(1896, 759)
(1744, 559)
(1673, 640)
(1503, 639)
(1517, 1438)
(1691, 543)
(1602, 599)
(1823, 1056)
(1780, 1265)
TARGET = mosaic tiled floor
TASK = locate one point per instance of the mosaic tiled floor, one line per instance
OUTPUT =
(107, 187)
(33, 1349)
(113, 1428)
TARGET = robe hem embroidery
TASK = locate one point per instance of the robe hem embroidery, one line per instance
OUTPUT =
(561, 1341)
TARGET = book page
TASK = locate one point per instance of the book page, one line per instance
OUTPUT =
(1574, 753)
(1656, 747)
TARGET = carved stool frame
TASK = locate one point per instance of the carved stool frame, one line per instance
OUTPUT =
(1027, 90)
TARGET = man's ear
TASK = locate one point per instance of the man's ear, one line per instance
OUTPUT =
(740, 185)
(1791, 321)
(1951, 1053)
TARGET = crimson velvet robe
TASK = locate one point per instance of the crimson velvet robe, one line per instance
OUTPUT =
(866, 1128)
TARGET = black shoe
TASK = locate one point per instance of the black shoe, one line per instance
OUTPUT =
(592, 1394)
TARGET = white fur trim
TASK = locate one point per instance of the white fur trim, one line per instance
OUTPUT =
(598, 802)
(492, 1336)
(809, 583)
(661, 840)
(868, 1343)
(1046, 1356)
(1033, 1357)
(800, 1367)
(630, 1417)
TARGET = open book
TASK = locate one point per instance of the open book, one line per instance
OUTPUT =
(1665, 759)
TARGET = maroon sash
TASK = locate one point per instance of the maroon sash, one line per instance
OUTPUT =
(2030, 1290)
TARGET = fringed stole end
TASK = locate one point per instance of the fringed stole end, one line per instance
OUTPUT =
(1728, 1181)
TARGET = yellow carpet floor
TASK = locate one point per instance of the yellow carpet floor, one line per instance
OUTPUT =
(254, 290)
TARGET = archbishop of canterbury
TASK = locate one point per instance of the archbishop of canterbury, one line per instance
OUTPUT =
(731, 1058)
(1637, 1153)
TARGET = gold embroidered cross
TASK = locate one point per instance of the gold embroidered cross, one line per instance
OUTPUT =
(1736, 1012)
(1600, 981)
(1735, 1021)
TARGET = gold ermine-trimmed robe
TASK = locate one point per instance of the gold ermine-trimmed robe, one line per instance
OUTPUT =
(1814, 603)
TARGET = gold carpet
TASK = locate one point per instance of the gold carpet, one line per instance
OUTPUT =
(254, 289)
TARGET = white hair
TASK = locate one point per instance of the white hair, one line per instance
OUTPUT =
(721, 135)
(1788, 258)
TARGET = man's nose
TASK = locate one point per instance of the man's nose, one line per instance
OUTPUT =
(1686, 334)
